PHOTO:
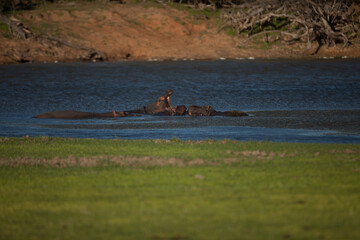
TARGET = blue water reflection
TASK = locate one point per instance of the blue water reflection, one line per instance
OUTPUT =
(30, 89)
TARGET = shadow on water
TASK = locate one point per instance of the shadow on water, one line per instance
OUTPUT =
(301, 101)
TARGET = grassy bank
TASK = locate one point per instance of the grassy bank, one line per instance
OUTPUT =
(52, 188)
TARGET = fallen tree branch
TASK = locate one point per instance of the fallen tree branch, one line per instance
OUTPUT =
(293, 35)
(16, 27)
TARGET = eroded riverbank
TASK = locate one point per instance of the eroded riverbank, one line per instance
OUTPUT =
(147, 31)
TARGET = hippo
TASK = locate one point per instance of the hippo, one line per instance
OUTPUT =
(178, 111)
(161, 105)
(201, 111)
(81, 115)
(210, 111)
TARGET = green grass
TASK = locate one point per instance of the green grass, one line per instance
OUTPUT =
(146, 3)
(4, 30)
(74, 5)
(195, 12)
(49, 27)
(135, 22)
(4, 27)
(182, 7)
(230, 31)
(241, 190)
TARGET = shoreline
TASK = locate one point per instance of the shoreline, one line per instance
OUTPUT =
(285, 58)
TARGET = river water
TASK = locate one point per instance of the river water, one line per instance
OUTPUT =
(290, 101)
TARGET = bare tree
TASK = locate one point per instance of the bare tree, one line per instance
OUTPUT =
(326, 21)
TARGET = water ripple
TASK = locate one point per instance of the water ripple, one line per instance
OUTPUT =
(290, 86)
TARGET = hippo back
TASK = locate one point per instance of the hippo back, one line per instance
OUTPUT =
(201, 110)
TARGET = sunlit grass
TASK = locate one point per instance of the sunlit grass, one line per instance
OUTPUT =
(74, 5)
(241, 190)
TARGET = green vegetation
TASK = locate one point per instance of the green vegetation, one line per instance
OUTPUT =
(4, 27)
(194, 11)
(135, 22)
(230, 31)
(4, 30)
(280, 23)
(192, 190)
(146, 3)
(51, 28)
(74, 35)
(45, 5)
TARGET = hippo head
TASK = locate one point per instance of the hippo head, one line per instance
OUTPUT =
(169, 92)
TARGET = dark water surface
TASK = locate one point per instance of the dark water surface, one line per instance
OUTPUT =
(293, 101)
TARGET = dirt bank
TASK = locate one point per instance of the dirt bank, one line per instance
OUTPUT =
(139, 32)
